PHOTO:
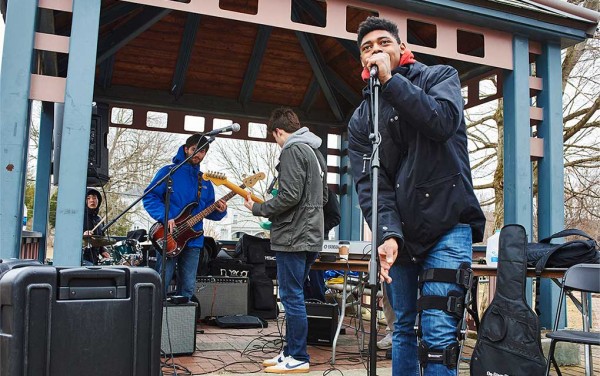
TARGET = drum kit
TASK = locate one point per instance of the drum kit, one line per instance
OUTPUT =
(126, 252)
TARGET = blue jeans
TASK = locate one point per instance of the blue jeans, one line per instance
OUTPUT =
(187, 266)
(438, 327)
(314, 286)
(292, 270)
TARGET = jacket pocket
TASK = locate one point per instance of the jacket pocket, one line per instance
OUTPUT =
(441, 202)
(281, 229)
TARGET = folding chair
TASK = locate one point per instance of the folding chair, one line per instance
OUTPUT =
(586, 279)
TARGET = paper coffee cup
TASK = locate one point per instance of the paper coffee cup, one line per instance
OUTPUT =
(344, 249)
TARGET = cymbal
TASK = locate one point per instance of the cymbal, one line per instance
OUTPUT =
(98, 240)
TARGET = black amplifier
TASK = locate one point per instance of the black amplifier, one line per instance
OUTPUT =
(222, 296)
(322, 322)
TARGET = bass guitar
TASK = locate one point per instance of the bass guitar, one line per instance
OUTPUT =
(184, 231)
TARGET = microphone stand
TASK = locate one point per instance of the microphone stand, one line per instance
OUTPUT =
(168, 178)
(375, 87)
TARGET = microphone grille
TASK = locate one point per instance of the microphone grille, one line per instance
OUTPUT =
(235, 127)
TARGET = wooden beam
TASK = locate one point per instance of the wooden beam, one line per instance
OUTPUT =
(260, 46)
(129, 31)
(188, 40)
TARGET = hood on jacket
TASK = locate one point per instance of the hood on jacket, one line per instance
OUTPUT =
(304, 136)
(95, 192)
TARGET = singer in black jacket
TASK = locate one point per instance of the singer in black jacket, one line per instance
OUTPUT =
(428, 215)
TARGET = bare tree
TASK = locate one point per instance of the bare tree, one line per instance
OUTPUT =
(134, 157)
(240, 158)
(581, 123)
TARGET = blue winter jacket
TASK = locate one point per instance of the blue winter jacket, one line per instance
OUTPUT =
(185, 191)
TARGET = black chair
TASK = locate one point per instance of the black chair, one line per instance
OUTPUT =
(586, 279)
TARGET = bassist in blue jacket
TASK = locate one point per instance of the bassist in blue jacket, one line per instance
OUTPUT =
(428, 215)
(188, 187)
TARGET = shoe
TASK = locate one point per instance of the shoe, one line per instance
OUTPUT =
(388, 354)
(385, 343)
(289, 365)
(274, 361)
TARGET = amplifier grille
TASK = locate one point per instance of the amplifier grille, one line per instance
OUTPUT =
(222, 296)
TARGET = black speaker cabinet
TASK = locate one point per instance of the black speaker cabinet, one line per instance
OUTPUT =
(222, 296)
(179, 336)
(322, 322)
(97, 174)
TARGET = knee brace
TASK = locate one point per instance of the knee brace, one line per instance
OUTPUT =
(454, 304)
(447, 356)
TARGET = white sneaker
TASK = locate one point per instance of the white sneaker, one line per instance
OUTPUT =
(289, 365)
(274, 361)
(385, 343)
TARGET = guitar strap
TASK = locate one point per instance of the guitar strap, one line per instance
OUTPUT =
(199, 187)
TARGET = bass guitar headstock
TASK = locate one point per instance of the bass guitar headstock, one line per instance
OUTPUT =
(250, 181)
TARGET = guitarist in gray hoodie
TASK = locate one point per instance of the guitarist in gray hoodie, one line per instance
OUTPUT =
(296, 213)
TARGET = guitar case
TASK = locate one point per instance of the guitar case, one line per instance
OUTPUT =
(509, 339)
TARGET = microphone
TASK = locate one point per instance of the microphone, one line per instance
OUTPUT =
(368, 73)
(230, 128)
(374, 70)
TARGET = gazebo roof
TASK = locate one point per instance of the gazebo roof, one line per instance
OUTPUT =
(158, 58)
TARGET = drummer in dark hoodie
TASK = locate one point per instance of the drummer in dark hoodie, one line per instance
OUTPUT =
(91, 219)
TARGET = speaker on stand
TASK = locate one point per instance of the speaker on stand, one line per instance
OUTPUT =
(97, 173)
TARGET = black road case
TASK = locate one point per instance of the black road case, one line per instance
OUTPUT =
(80, 321)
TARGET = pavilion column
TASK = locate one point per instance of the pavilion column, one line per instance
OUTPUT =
(76, 132)
(41, 203)
(517, 165)
(351, 224)
(550, 168)
(17, 60)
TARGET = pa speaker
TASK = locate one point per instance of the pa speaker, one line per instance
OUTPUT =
(222, 296)
(179, 329)
(322, 322)
(97, 173)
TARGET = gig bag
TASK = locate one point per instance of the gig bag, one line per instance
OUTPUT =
(509, 339)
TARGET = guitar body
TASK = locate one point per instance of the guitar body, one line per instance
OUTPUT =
(181, 235)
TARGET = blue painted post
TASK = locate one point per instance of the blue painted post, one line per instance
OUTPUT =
(15, 79)
(550, 169)
(41, 203)
(351, 226)
(76, 132)
(356, 231)
(517, 165)
(345, 196)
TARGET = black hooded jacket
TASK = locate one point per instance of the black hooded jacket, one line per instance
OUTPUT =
(91, 217)
(425, 185)
(90, 220)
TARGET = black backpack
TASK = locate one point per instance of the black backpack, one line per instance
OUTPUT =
(509, 339)
(543, 255)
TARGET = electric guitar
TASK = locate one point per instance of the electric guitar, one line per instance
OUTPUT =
(218, 178)
(184, 231)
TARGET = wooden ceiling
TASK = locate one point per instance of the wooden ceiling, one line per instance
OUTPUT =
(214, 67)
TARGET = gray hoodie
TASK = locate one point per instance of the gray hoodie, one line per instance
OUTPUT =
(296, 213)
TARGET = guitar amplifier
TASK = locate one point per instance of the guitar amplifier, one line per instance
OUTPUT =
(222, 296)
(179, 329)
(322, 322)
